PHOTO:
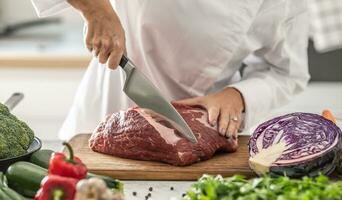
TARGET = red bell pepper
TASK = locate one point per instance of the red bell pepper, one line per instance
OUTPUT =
(70, 166)
(57, 188)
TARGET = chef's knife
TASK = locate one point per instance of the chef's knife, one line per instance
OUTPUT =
(142, 91)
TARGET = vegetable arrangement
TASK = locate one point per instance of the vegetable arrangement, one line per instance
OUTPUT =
(54, 176)
(94, 188)
(328, 115)
(68, 167)
(15, 135)
(55, 187)
(264, 188)
(296, 145)
(6, 192)
(63, 175)
(42, 158)
(25, 177)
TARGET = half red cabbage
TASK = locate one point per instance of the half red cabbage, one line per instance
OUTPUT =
(295, 145)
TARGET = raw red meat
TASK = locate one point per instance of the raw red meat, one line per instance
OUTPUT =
(136, 134)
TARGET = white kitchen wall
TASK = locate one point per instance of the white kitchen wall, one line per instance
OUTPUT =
(48, 95)
(48, 91)
(12, 11)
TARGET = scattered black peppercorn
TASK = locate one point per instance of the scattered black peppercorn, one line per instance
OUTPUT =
(171, 188)
(150, 189)
(146, 197)
(183, 195)
(149, 194)
(134, 193)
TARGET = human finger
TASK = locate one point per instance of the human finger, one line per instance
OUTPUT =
(89, 37)
(118, 49)
(233, 125)
(213, 114)
(223, 121)
(96, 47)
(103, 56)
(114, 59)
(105, 51)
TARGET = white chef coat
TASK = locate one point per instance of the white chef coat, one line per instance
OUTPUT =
(194, 47)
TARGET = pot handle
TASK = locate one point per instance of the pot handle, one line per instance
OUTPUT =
(14, 100)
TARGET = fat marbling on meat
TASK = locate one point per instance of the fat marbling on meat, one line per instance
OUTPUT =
(137, 134)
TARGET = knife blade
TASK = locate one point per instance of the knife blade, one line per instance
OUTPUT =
(142, 91)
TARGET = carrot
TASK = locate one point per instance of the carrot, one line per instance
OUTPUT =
(328, 115)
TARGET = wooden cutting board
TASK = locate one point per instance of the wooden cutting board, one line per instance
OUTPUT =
(226, 164)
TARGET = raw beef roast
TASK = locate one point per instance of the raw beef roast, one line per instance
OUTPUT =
(138, 134)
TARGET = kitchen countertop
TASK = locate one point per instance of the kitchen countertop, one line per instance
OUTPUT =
(318, 96)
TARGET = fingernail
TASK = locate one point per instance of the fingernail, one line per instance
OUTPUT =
(212, 123)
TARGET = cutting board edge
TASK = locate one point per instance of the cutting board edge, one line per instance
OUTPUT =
(122, 175)
(157, 172)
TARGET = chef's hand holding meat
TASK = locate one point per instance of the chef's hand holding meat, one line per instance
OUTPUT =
(224, 110)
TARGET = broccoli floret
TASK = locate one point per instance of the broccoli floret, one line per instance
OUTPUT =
(4, 110)
(15, 135)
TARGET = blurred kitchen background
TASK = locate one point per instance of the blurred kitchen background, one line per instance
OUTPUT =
(45, 59)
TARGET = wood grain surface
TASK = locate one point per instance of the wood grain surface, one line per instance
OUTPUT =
(45, 61)
(226, 164)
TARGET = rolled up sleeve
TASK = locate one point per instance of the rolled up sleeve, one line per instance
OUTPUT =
(46, 8)
(282, 72)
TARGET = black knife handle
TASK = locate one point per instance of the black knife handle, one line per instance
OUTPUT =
(123, 61)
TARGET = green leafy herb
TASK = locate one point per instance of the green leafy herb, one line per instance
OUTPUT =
(264, 188)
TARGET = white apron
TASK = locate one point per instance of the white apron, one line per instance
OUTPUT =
(190, 48)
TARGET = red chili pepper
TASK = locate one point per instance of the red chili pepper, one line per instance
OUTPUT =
(57, 188)
(69, 167)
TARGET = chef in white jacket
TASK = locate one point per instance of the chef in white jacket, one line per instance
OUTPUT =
(193, 51)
